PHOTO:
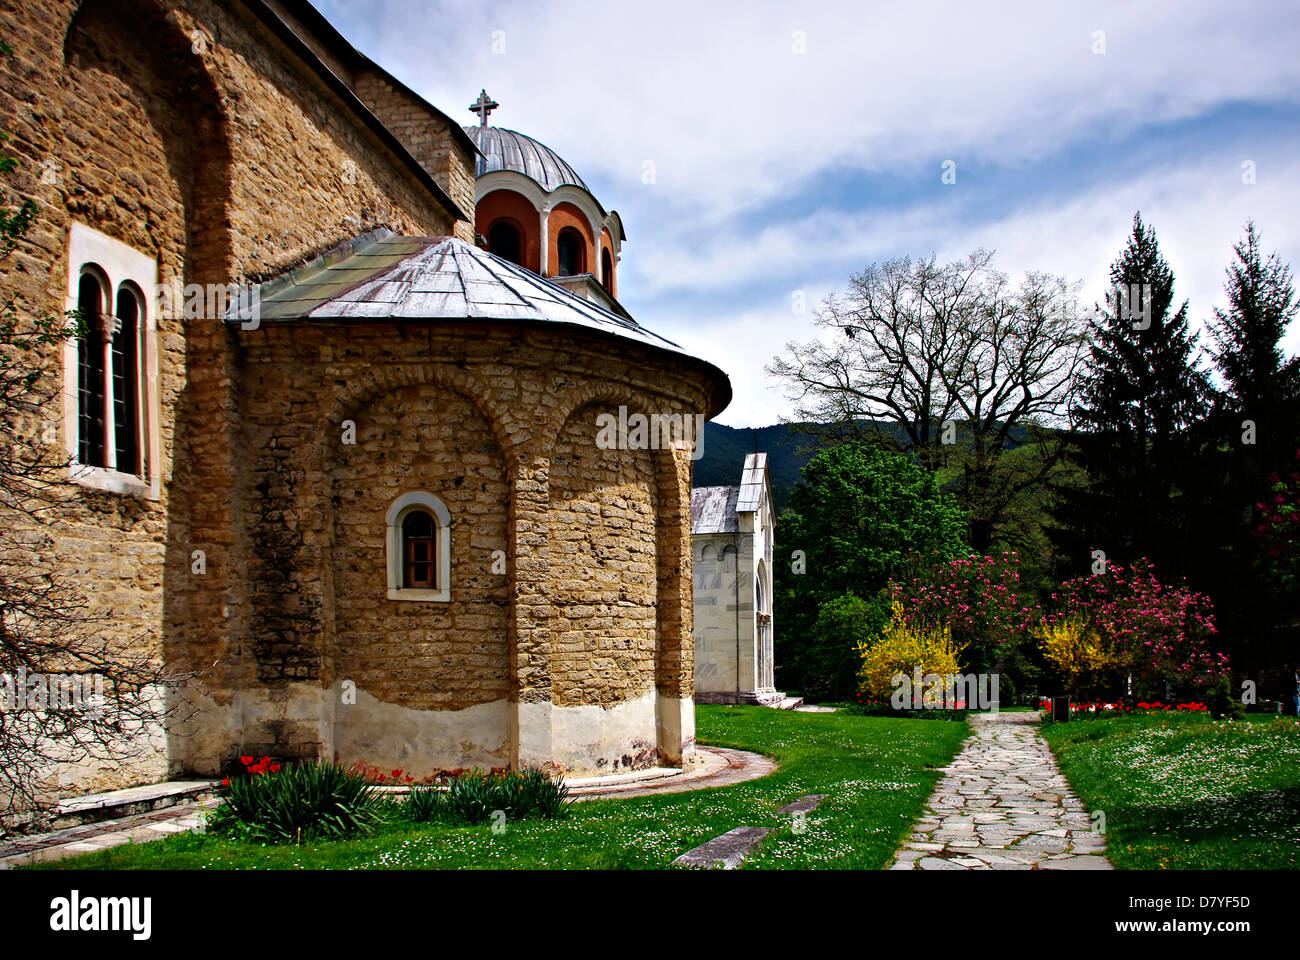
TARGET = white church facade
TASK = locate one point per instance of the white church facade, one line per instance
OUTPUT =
(732, 531)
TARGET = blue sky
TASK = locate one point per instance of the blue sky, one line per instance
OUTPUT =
(794, 144)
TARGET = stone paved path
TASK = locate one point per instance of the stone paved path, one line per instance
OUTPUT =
(1003, 805)
(89, 837)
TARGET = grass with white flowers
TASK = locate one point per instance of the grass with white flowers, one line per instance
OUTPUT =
(1187, 792)
(877, 773)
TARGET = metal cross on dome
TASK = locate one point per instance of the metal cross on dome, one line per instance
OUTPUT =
(483, 106)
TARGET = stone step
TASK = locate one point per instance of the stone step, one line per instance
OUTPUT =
(805, 804)
(579, 786)
(790, 703)
(115, 804)
(724, 852)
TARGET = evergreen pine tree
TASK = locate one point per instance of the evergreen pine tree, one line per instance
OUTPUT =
(1262, 386)
(1142, 393)
(1254, 432)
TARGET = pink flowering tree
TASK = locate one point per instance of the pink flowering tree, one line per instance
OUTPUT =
(1277, 531)
(979, 598)
(1158, 634)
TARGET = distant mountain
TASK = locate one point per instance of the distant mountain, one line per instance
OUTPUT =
(788, 447)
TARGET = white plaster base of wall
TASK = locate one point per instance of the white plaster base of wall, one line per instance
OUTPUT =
(582, 740)
(422, 742)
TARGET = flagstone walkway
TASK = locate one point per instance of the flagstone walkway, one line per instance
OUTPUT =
(1004, 805)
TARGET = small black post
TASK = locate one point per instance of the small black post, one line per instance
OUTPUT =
(1060, 709)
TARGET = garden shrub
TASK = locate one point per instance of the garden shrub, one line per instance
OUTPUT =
(1133, 626)
(289, 804)
(979, 599)
(904, 647)
(831, 653)
(1091, 667)
(474, 797)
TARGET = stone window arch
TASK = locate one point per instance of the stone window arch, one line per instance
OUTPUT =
(419, 548)
(110, 371)
(129, 387)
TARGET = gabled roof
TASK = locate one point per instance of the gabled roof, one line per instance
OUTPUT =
(718, 509)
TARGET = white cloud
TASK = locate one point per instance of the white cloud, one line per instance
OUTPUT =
(743, 131)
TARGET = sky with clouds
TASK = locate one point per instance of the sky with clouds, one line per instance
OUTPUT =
(793, 144)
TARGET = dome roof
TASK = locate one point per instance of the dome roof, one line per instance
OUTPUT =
(510, 150)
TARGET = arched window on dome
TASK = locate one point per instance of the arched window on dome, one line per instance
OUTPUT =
(505, 241)
(572, 252)
(607, 270)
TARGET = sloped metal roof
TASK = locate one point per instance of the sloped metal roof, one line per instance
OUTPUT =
(504, 149)
(753, 479)
(718, 509)
(382, 276)
(713, 510)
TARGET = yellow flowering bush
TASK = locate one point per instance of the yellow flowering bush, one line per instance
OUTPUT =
(901, 648)
(1081, 653)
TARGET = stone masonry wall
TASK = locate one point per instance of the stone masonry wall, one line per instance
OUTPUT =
(500, 424)
(188, 132)
(603, 509)
(428, 656)
(428, 138)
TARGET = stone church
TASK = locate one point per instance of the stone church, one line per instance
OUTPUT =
(733, 529)
(362, 504)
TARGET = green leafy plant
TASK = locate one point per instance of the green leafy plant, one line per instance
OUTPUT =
(424, 803)
(289, 804)
(474, 797)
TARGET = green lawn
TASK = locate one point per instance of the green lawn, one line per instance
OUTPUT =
(1186, 792)
(877, 773)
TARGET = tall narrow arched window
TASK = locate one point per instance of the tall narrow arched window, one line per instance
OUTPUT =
(505, 241)
(419, 548)
(607, 270)
(571, 249)
(91, 415)
(126, 382)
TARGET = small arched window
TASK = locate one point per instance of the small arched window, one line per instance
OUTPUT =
(505, 242)
(91, 415)
(607, 270)
(419, 548)
(571, 249)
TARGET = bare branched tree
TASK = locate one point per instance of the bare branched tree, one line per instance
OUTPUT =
(966, 366)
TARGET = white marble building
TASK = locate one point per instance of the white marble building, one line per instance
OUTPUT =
(731, 533)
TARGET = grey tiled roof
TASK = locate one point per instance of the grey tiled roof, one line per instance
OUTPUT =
(504, 149)
(383, 276)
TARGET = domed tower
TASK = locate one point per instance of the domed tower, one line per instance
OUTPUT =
(533, 209)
